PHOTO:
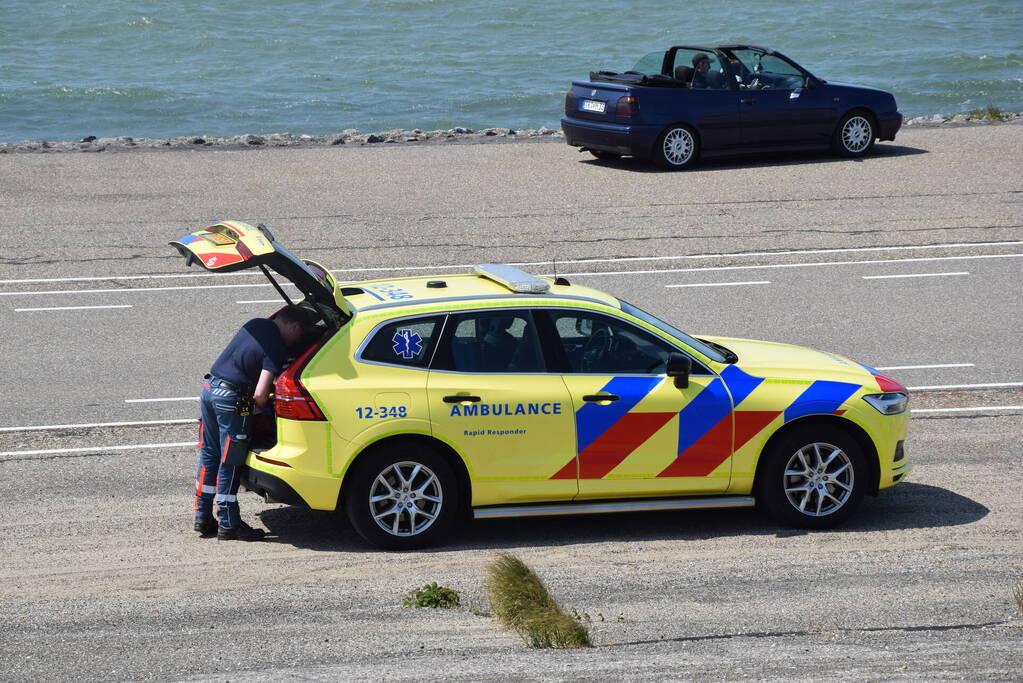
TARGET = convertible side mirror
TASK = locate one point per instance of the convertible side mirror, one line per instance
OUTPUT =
(679, 367)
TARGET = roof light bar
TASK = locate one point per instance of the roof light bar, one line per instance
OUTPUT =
(518, 281)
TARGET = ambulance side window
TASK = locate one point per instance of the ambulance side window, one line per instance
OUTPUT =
(596, 343)
(502, 341)
(404, 342)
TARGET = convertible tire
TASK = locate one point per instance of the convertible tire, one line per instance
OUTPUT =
(854, 135)
(677, 148)
(812, 478)
(402, 497)
(601, 154)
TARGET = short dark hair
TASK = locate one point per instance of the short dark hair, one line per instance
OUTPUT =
(294, 313)
(699, 57)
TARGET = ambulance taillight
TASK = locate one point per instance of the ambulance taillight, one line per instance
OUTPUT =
(291, 399)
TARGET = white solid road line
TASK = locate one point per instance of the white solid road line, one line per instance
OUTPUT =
(746, 254)
(36, 428)
(571, 274)
(97, 449)
(124, 290)
(723, 284)
(964, 410)
(893, 367)
(69, 308)
(927, 367)
(160, 400)
(889, 277)
(790, 265)
(182, 444)
(950, 387)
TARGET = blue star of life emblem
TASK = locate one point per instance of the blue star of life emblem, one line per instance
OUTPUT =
(407, 344)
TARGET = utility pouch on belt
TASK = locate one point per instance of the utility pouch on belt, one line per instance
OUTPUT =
(244, 406)
(241, 437)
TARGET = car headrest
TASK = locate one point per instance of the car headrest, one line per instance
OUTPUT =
(684, 73)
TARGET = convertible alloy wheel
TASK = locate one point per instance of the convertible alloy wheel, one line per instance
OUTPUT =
(401, 496)
(819, 479)
(812, 477)
(854, 136)
(677, 148)
(405, 499)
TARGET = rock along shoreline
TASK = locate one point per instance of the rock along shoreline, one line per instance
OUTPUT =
(351, 136)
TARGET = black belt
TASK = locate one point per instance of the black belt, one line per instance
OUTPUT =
(227, 385)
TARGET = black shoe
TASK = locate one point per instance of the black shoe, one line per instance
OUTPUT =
(206, 526)
(242, 532)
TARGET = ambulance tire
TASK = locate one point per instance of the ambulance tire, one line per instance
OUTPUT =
(812, 477)
(402, 496)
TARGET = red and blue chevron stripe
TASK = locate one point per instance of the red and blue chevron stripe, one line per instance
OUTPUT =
(607, 434)
(711, 426)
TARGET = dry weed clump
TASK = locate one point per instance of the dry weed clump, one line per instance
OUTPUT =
(521, 602)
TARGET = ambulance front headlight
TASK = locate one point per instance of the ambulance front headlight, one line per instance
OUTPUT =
(891, 403)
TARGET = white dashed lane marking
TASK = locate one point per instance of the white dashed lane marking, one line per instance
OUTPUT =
(68, 308)
(723, 284)
(927, 367)
(889, 277)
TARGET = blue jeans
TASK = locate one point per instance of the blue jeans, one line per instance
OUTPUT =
(223, 440)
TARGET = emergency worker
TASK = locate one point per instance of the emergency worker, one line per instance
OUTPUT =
(238, 384)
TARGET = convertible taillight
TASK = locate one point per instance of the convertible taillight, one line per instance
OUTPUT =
(627, 106)
(291, 400)
(569, 101)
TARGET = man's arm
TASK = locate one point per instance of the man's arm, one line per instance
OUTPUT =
(262, 395)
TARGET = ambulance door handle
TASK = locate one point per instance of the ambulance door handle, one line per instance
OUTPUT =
(462, 398)
(600, 397)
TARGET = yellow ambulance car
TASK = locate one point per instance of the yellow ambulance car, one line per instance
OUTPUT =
(496, 393)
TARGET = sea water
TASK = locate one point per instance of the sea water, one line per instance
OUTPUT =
(152, 68)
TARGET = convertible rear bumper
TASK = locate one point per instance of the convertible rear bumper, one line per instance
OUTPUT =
(634, 140)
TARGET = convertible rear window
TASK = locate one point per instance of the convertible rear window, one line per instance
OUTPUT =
(650, 63)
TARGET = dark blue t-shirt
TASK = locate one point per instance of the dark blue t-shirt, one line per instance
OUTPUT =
(257, 346)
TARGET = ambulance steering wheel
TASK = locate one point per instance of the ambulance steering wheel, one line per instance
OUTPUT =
(596, 347)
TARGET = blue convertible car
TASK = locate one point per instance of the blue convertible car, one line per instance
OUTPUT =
(688, 102)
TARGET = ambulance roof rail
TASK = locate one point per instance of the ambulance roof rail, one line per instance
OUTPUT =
(518, 281)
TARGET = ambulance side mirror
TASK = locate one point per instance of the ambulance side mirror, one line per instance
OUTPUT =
(679, 367)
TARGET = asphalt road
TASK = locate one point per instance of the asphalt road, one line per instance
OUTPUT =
(909, 259)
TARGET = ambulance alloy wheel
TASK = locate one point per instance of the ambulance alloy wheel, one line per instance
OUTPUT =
(402, 497)
(812, 478)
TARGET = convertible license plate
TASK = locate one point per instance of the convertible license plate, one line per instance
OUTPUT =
(594, 105)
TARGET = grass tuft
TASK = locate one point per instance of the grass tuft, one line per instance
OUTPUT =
(520, 601)
(991, 113)
(1017, 592)
(431, 595)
